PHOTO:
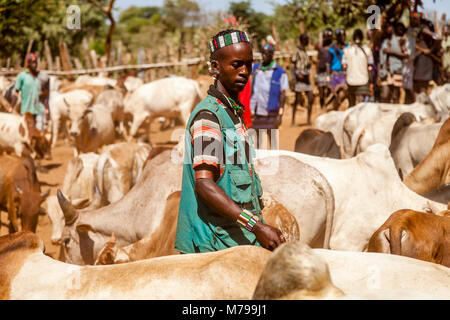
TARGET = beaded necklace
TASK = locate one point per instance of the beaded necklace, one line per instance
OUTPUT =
(270, 66)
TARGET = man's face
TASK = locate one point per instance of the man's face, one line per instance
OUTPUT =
(304, 41)
(267, 56)
(234, 64)
(341, 38)
(32, 65)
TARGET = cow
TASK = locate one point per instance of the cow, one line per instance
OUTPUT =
(356, 128)
(432, 172)
(60, 103)
(113, 173)
(171, 97)
(317, 143)
(141, 210)
(119, 167)
(95, 81)
(113, 100)
(296, 272)
(293, 269)
(162, 241)
(411, 141)
(440, 97)
(414, 234)
(170, 277)
(366, 189)
(96, 91)
(19, 135)
(440, 194)
(91, 128)
(20, 193)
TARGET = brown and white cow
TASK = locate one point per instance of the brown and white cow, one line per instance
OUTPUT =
(432, 172)
(20, 192)
(414, 234)
(226, 274)
(19, 135)
(162, 241)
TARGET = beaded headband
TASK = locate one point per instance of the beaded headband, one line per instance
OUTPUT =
(31, 57)
(268, 46)
(225, 40)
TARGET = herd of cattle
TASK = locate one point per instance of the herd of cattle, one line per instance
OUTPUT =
(368, 189)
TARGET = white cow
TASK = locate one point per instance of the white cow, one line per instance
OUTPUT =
(92, 128)
(172, 97)
(411, 143)
(119, 167)
(113, 173)
(96, 81)
(367, 189)
(113, 100)
(356, 128)
(60, 105)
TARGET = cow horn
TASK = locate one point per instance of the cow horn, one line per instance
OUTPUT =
(19, 191)
(70, 213)
(45, 194)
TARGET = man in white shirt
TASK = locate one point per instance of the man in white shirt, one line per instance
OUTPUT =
(358, 61)
(269, 85)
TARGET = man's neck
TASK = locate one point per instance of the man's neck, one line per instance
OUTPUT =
(267, 63)
(228, 94)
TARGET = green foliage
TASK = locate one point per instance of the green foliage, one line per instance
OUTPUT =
(258, 23)
(168, 28)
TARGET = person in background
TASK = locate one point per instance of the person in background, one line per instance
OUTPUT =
(408, 62)
(301, 71)
(357, 61)
(337, 72)
(446, 52)
(424, 64)
(34, 88)
(391, 47)
(323, 74)
(269, 86)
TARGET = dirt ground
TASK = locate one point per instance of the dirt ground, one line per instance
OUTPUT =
(62, 154)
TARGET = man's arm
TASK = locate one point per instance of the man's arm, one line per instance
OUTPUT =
(218, 201)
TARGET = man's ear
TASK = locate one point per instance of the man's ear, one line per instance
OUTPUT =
(214, 66)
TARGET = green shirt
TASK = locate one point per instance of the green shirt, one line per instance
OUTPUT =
(29, 86)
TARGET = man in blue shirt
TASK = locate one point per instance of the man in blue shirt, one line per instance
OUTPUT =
(337, 71)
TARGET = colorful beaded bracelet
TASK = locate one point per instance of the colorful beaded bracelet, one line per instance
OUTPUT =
(247, 220)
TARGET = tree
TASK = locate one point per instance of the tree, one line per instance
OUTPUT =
(107, 11)
(258, 22)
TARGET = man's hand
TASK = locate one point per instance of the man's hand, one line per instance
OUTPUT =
(268, 236)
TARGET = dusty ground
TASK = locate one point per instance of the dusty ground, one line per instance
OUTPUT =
(62, 154)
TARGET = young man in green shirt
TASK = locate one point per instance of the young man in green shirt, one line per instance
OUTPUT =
(34, 87)
(221, 192)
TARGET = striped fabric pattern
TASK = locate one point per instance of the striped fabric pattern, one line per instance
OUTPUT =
(208, 143)
(227, 39)
(247, 220)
